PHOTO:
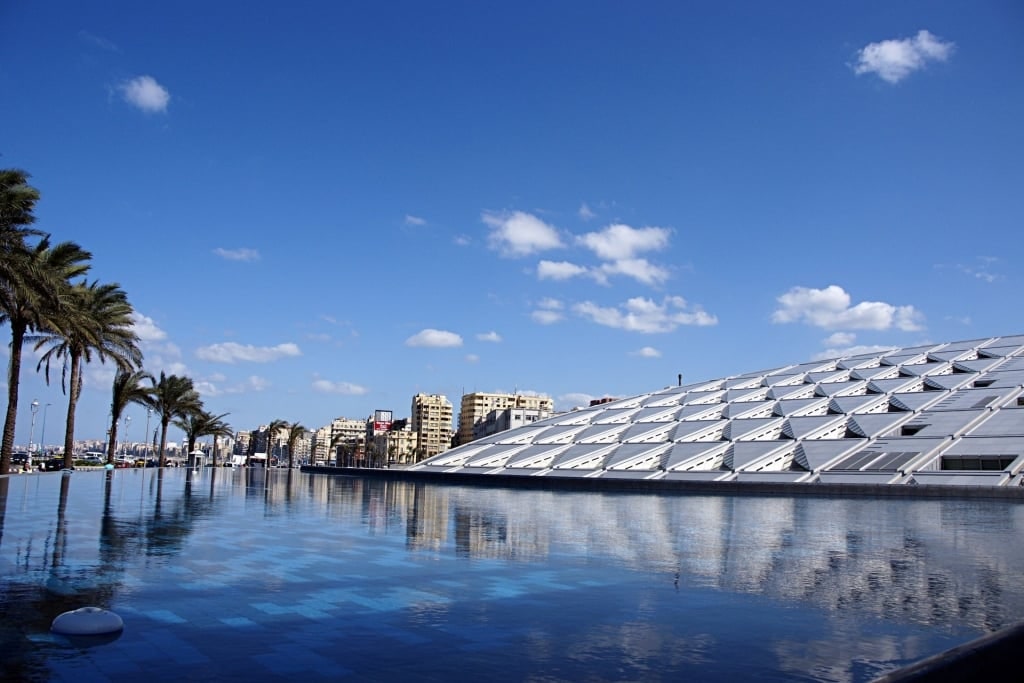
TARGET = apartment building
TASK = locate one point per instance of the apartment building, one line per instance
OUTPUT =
(432, 422)
(478, 405)
(509, 418)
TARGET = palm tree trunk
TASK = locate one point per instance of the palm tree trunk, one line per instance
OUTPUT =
(73, 394)
(163, 441)
(13, 377)
(112, 441)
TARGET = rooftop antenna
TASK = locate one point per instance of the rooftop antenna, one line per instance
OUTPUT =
(680, 379)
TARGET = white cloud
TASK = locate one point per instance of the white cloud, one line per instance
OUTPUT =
(830, 308)
(549, 311)
(325, 386)
(646, 316)
(241, 254)
(639, 269)
(98, 41)
(147, 328)
(586, 213)
(231, 352)
(559, 270)
(434, 338)
(575, 400)
(462, 241)
(646, 352)
(619, 242)
(851, 351)
(472, 358)
(520, 234)
(840, 339)
(894, 60)
(414, 220)
(491, 336)
(146, 94)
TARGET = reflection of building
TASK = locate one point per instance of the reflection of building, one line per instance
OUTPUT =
(476, 406)
(432, 422)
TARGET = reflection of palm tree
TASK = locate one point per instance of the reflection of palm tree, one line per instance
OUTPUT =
(128, 388)
(99, 321)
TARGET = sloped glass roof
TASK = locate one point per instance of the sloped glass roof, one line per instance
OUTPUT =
(945, 414)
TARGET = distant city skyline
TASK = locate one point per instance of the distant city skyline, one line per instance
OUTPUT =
(321, 211)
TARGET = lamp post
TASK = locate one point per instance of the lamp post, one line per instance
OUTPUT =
(149, 414)
(42, 433)
(32, 431)
(127, 421)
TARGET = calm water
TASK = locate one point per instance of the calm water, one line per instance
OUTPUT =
(220, 575)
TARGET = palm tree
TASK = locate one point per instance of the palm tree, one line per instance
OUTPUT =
(273, 428)
(128, 388)
(172, 397)
(218, 428)
(340, 446)
(36, 291)
(202, 423)
(295, 432)
(97, 322)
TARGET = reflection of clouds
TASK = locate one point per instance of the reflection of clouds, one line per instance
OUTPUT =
(846, 657)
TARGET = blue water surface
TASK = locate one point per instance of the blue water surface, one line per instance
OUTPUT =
(222, 574)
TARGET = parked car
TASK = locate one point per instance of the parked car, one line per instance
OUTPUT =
(21, 461)
(52, 464)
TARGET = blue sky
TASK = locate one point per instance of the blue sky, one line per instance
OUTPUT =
(321, 209)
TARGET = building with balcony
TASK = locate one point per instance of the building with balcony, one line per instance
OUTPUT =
(477, 406)
(432, 422)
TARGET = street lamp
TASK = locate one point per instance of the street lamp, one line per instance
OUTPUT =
(32, 431)
(127, 421)
(42, 434)
(149, 413)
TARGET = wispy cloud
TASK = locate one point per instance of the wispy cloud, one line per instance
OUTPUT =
(617, 242)
(491, 336)
(643, 315)
(240, 254)
(559, 270)
(646, 352)
(414, 220)
(97, 41)
(147, 329)
(231, 352)
(434, 339)
(548, 311)
(574, 400)
(894, 60)
(146, 94)
(586, 213)
(472, 358)
(326, 386)
(851, 351)
(830, 308)
(520, 234)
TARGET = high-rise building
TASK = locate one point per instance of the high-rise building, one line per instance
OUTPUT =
(476, 407)
(432, 423)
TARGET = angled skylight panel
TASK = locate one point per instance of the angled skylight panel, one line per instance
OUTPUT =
(968, 399)
(741, 455)
(787, 380)
(704, 397)
(520, 435)
(929, 369)
(624, 403)
(800, 406)
(918, 400)
(457, 456)
(616, 416)
(740, 409)
(1000, 351)
(745, 394)
(979, 365)
(887, 386)
(991, 445)
(816, 455)
(834, 375)
(945, 382)
(701, 412)
(892, 455)
(904, 358)
(791, 392)
(605, 433)
(696, 456)
(864, 403)
(872, 425)
(493, 456)
(877, 372)
(559, 434)
(665, 399)
(1008, 375)
(1015, 340)
(864, 360)
(582, 457)
(648, 432)
(740, 383)
(967, 344)
(1013, 365)
(939, 423)
(692, 430)
(840, 388)
(806, 427)
(1005, 422)
(754, 430)
(947, 355)
(656, 414)
(636, 456)
(535, 457)
(577, 417)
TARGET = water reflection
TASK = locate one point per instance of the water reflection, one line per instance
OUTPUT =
(646, 584)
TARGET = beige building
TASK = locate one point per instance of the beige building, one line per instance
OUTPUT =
(432, 423)
(478, 405)
(398, 444)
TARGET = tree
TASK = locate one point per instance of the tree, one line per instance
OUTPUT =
(172, 397)
(128, 388)
(341, 445)
(202, 423)
(218, 428)
(273, 428)
(34, 289)
(97, 323)
(295, 432)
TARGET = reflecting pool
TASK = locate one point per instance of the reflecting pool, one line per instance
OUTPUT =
(223, 574)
